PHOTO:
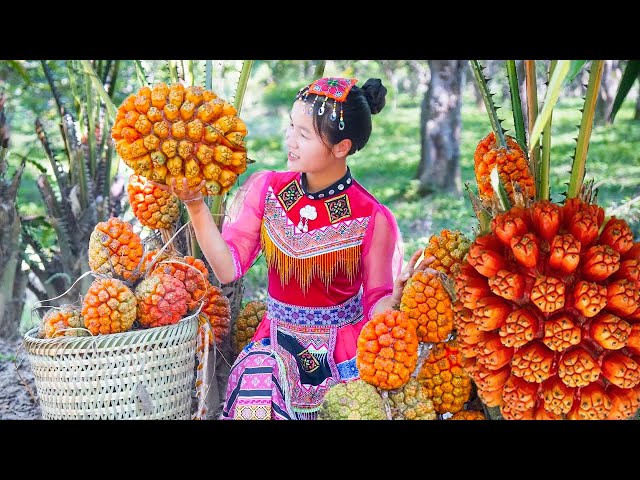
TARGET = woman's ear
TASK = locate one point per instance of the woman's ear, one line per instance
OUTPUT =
(341, 149)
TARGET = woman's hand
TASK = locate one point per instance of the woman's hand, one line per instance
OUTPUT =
(407, 273)
(183, 193)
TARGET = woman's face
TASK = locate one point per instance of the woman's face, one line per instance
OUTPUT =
(306, 151)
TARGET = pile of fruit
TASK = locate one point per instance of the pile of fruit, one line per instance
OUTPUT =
(409, 362)
(136, 289)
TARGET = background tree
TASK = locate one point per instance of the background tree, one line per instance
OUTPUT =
(610, 80)
(440, 122)
(12, 277)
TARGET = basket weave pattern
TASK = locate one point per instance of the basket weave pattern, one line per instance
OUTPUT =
(141, 374)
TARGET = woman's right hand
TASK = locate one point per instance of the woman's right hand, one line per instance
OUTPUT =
(184, 193)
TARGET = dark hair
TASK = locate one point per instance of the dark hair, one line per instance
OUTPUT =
(361, 103)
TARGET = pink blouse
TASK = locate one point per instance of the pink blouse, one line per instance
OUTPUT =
(319, 251)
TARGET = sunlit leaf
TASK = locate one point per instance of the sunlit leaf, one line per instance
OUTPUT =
(556, 84)
(97, 84)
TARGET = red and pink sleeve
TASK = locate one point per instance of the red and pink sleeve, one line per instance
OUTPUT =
(241, 229)
(382, 258)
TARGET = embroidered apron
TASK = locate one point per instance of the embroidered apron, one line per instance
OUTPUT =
(305, 339)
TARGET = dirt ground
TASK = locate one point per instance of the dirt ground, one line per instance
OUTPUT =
(18, 395)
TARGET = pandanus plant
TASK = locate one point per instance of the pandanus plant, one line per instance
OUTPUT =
(547, 309)
(83, 191)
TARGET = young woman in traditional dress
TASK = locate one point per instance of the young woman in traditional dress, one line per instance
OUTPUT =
(334, 255)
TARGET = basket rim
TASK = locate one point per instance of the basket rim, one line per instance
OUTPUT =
(122, 338)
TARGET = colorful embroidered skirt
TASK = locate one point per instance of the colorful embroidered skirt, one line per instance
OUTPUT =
(296, 355)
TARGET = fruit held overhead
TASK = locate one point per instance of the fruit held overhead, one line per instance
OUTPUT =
(165, 132)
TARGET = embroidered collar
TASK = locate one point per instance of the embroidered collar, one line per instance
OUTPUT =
(336, 187)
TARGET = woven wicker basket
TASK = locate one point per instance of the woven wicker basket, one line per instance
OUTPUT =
(141, 374)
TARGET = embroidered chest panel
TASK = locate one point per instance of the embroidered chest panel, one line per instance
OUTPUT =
(298, 240)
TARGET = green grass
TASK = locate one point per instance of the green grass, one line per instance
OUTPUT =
(387, 167)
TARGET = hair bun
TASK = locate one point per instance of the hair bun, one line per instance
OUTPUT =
(375, 94)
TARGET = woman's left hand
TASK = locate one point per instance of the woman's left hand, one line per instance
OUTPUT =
(407, 273)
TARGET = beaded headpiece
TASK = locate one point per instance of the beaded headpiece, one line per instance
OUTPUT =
(328, 87)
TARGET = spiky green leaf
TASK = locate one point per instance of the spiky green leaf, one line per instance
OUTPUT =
(483, 86)
(532, 114)
(574, 69)
(208, 75)
(97, 84)
(516, 105)
(586, 125)
(141, 75)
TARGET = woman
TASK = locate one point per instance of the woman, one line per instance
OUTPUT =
(331, 248)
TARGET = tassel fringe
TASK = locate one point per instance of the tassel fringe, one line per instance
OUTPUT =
(325, 265)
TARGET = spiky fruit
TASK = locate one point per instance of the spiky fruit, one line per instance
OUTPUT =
(189, 270)
(354, 400)
(446, 382)
(248, 320)
(468, 415)
(115, 249)
(426, 300)
(217, 311)
(169, 132)
(411, 402)
(512, 167)
(387, 350)
(108, 307)
(162, 300)
(63, 321)
(152, 259)
(152, 206)
(449, 248)
(544, 317)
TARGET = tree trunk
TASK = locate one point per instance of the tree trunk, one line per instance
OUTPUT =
(12, 278)
(474, 87)
(440, 120)
(610, 80)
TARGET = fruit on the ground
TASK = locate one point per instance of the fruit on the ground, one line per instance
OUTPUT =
(353, 400)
